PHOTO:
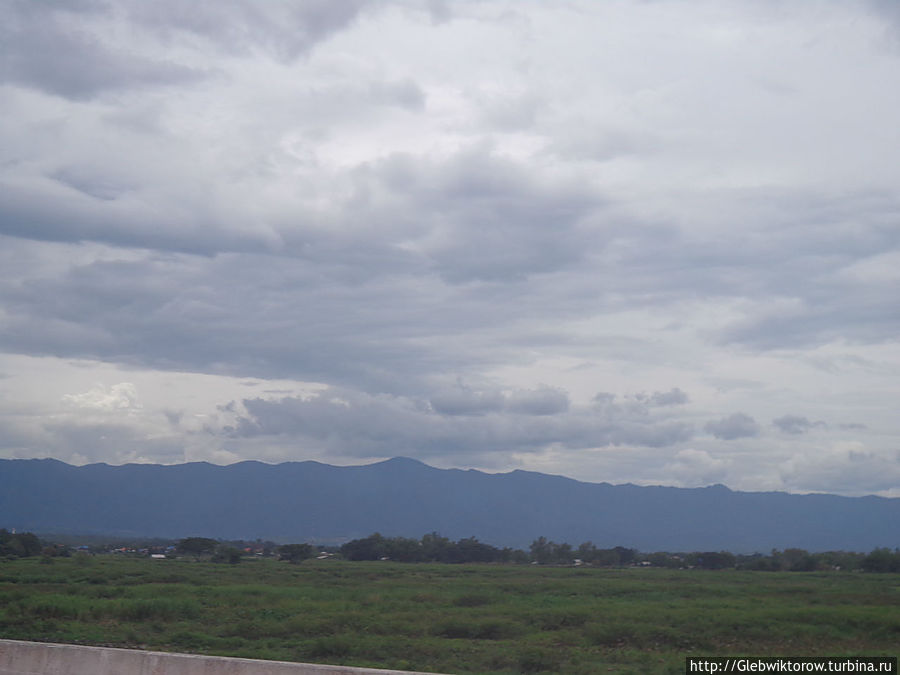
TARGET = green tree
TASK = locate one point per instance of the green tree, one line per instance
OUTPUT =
(586, 552)
(372, 547)
(227, 554)
(403, 549)
(663, 560)
(295, 553)
(882, 560)
(19, 545)
(197, 546)
(541, 551)
(799, 560)
(626, 556)
(562, 553)
(436, 548)
(472, 550)
(715, 560)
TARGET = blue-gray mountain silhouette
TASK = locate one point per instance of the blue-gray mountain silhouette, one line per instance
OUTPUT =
(310, 501)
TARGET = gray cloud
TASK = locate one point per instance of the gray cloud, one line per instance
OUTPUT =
(529, 253)
(463, 400)
(541, 401)
(68, 49)
(284, 30)
(734, 426)
(354, 424)
(168, 312)
(889, 11)
(405, 94)
(795, 424)
(672, 397)
(835, 470)
(174, 416)
(44, 46)
(852, 304)
(299, 192)
(116, 443)
(483, 217)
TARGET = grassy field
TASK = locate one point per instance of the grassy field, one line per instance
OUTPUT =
(449, 618)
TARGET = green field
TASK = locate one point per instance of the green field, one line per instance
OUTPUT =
(449, 618)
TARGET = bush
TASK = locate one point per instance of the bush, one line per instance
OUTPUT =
(21, 545)
(227, 554)
(882, 560)
(295, 553)
(538, 660)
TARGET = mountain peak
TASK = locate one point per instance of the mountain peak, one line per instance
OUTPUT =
(401, 462)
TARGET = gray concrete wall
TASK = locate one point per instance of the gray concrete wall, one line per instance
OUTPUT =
(39, 658)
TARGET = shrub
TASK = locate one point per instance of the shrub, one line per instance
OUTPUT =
(538, 660)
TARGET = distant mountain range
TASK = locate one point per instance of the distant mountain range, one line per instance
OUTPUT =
(310, 501)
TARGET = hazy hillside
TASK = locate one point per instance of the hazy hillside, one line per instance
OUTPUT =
(309, 501)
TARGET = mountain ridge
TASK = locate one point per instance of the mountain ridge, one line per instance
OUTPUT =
(401, 496)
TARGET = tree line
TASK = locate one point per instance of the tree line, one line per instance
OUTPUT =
(435, 548)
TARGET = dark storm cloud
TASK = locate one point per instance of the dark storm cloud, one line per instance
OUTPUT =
(734, 426)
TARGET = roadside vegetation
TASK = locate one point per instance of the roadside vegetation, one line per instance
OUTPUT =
(462, 618)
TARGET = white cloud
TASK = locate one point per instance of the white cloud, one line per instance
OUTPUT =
(844, 463)
(117, 397)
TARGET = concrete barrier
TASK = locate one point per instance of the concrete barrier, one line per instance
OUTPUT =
(40, 658)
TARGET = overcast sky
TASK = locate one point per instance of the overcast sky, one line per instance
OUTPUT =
(648, 241)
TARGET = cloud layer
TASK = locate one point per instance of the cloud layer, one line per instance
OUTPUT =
(629, 241)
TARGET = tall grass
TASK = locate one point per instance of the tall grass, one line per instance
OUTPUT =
(446, 618)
